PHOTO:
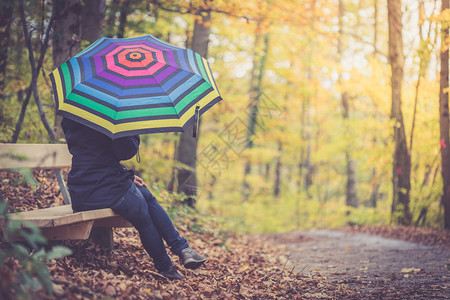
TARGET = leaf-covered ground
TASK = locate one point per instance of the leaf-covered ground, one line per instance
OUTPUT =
(238, 267)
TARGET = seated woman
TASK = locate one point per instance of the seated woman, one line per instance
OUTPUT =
(98, 180)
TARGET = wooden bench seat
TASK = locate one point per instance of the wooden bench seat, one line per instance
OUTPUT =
(59, 222)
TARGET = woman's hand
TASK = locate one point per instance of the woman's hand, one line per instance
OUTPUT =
(138, 181)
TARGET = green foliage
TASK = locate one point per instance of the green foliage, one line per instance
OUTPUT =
(31, 272)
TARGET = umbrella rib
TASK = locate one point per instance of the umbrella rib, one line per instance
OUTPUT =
(168, 95)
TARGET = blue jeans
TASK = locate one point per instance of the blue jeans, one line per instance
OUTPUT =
(140, 208)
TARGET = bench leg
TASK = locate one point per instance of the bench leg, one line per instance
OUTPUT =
(102, 236)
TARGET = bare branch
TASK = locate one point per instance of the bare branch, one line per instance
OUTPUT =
(361, 40)
(28, 90)
(34, 71)
(195, 10)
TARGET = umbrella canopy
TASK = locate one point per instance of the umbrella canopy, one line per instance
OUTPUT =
(130, 86)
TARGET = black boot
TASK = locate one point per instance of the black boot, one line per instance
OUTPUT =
(172, 273)
(191, 259)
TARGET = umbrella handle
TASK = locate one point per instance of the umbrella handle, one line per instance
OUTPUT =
(196, 121)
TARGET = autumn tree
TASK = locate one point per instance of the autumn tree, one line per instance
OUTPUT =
(351, 198)
(259, 61)
(187, 145)
(306, 134)
(35, 66)
(118, 13)
(402, 160)
(444, 118)
(6, 18)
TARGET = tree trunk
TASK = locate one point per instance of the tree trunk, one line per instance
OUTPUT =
(187, 145)
(277, 185)
(255, 93)
(253, 113)
(351, 198)
(171, 184)
(6, 16)
(375, 187)
(374, 181)
(125, 10)
(66, 39)
(402, 161)
(309, 167)
(445, 123)
(67, 30)
(92, 20)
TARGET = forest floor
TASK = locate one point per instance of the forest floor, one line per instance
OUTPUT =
(378, 262)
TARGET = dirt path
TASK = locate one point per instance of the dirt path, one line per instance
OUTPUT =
(375, 267)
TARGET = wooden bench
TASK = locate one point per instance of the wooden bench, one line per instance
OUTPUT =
(59, 222)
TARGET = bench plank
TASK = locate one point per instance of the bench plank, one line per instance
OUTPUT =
(63, 215)
(34, 156)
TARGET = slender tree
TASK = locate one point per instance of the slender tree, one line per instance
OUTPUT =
(6, 17)
(34, 66)
(125, 10)
(92, 20)
(187, 145)
(45, 37)
(278, 166)
(402, 160)
(444, 120)
(351, 198)
(374, 181)
(259, 62)
(306, 164)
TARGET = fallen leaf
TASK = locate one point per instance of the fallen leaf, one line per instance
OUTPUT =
(110, 290)
(409, 270)
(58, 289)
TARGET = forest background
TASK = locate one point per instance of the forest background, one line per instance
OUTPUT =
(334, 111)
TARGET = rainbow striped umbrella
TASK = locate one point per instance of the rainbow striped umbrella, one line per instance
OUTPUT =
(130, 86)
